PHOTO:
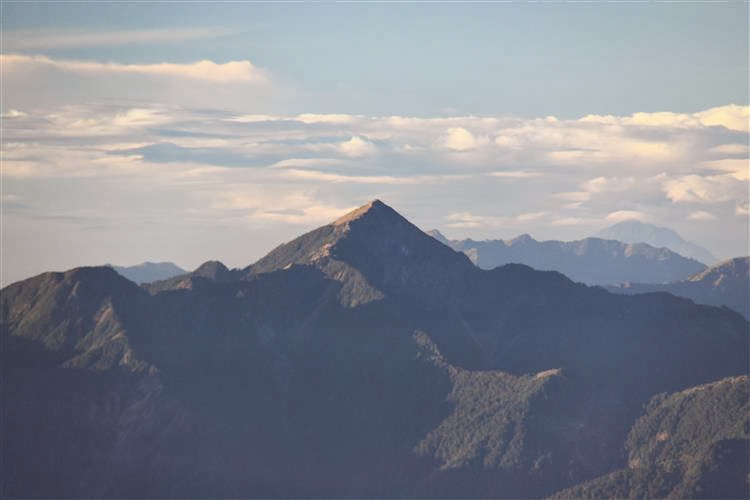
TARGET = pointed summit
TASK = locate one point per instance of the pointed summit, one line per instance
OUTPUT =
(376, 243)
(368, 208)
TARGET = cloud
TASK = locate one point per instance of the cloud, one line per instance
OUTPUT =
(742, 209)
(306, 118)
(574, 196)
(307, 167)
(702, 189)
(468, 220)
(530, 216)
(307, 162)
(608, 185)
(13, 113)
(460, 139)
(731, 149)
(322, 118)
(622, 215)
(317, 176)
(357, 147)
(232, 71)
(58, 39)
(140, 117)
(514, 174)
(566, 221)
(701, 215)
(731, 116)
(739, 168)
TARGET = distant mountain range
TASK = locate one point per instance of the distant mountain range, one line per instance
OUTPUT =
(723, 284)
(593, 261)
(149, 271)
(633, 231)
(367, 359)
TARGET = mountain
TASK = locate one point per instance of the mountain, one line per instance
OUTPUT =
(723, 284)
(362, 359)
(633, 231)
(672, 453)
(149, 271)
(593, 261)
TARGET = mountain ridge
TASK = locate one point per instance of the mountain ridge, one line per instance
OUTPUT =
(385, 364)
(726, 283)
(593, 261)
(147, 272)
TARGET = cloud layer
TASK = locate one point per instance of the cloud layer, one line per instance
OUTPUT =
(192, 184)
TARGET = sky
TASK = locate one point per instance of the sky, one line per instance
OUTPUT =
(184, 132)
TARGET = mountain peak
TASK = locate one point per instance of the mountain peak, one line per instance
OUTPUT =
(374, 247)
(370, 208)
(633, 231)
(213, 270)
(523, 238)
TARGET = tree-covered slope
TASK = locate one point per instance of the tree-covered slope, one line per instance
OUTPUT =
(690, 444)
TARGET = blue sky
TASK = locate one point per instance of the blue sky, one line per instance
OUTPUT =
(423, 59)
(131, 127)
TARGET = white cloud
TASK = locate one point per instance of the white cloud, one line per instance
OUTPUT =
(505, 141)
(742, 209)
(468, 220)
(139, 117)
(530, 216)
(731, 149)
(232, 71)
(514, 174)
(731, 116)
(310, 118)
(739, 168)
(357, 147)
(254, 118)
(460, 139)
(700, 189)
(13, 113)
(301, 169)
(576, 196)
(622, 215)
(566, 221)
(701, 215)
(307, 162)
(608, 185)
(317, 176)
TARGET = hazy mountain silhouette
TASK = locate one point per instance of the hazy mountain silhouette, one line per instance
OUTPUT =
(724, 284)
(363, 358)
(147, 272)
(633, 231)
(593, 261)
